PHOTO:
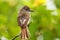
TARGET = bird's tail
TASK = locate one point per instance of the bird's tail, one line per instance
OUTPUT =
(25, 33)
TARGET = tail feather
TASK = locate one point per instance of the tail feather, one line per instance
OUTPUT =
(25, 33)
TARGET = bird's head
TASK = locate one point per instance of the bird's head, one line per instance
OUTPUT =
(27, 9)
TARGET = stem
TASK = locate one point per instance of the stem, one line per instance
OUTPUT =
(15, 37)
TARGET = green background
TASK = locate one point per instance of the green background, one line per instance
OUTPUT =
(41, 20)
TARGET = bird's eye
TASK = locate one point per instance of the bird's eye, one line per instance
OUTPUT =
(26, 9)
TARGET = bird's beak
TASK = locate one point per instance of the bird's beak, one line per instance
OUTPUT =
(31, 10)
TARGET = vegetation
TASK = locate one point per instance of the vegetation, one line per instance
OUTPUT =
(43, 21)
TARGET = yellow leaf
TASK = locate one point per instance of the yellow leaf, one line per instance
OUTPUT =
(39, 2)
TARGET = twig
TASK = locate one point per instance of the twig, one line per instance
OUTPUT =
(15, 37)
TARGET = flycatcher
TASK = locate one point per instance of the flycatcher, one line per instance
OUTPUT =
(23, 21)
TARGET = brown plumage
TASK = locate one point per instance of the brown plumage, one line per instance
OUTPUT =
(23, 21)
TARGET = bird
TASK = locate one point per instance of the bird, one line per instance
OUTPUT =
(23, 21)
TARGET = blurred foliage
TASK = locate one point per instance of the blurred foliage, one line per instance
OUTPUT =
(42, 21)
(57, 3)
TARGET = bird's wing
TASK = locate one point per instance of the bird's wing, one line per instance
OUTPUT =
(26, 19)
